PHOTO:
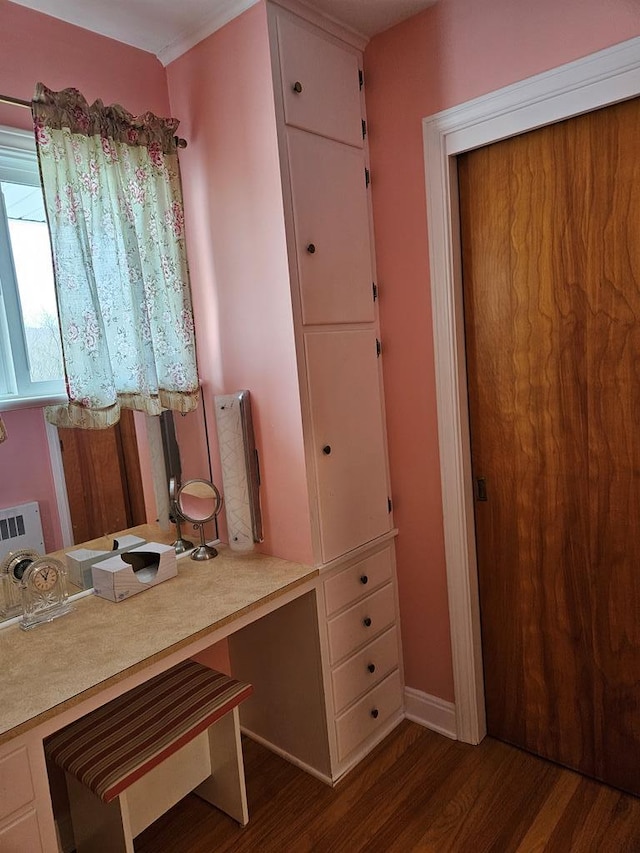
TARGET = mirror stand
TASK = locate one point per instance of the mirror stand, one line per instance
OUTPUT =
(203, 551)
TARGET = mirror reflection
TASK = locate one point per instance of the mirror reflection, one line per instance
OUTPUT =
(198, 501)
(61, 488)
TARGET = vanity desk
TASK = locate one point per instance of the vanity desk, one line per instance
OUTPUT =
(320, 646)
(59, 671)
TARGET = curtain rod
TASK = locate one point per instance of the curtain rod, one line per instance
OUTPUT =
(19, 102)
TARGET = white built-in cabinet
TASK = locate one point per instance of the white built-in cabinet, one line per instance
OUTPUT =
(320, 118)
(348, 438)
(26, 819)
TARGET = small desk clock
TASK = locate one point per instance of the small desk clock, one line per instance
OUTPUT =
(44, 592)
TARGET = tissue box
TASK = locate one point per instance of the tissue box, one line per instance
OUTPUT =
(79, 562)
(134, 571)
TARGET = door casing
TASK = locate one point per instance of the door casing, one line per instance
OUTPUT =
(598, 80)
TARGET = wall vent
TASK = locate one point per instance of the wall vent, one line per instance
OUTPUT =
(21, 527)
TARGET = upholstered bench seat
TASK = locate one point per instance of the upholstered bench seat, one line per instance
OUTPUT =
(113, 749)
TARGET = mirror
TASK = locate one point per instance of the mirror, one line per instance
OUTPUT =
(199, 501)
(96, 481)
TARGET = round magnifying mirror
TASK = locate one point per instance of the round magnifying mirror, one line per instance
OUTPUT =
(199, 501)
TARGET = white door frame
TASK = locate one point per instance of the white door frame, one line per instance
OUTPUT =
(603, 78)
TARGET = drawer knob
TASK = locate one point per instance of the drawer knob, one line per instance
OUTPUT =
(311, 248)
(367, 622)
(297, 87)
(375, 713)
(372, 667)
(364, 579)
(326, 449)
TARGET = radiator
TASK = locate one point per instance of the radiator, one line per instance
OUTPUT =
(21, 527)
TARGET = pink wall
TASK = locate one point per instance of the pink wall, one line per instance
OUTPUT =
(25, 471)
(222, 90)
(452, 52)
(36, 47)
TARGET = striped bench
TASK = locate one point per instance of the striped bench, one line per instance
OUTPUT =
(132, 759)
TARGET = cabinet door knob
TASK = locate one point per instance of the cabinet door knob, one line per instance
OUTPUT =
(297, 87)
(375, 713)
(367, 622)
(364, 579)
(326, 449)
(371, 667)
(311, 248)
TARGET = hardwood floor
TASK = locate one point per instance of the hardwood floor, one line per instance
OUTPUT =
(417, 791)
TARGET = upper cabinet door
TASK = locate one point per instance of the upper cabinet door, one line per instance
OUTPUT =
(331, 220)
(348, 438)
(320, 84)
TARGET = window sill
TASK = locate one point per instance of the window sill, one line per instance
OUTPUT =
(8, 404)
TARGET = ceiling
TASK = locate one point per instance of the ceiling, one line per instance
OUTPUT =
(168, 28)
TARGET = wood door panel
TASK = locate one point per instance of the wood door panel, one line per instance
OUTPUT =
(551, 267)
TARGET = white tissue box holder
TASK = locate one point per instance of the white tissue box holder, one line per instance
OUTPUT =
(116, 579)
(79, 562)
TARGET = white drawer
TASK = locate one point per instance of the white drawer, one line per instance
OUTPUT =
(21, 835)
(364, 670)
(351, 584)
(16, 786)
(360, 722)
(361, 623)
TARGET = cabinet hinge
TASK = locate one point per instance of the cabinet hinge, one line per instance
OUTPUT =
(367, 177)
(364, 129)
(374, 288)
(360, 77)
(389, 504)
(378, 347)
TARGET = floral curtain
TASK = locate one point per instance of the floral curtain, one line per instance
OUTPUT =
(114, 203)
(3, 431)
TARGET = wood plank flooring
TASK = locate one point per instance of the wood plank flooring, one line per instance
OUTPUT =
(417, 791)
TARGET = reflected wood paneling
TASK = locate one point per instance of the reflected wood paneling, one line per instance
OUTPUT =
(102, 473)
(551, 266)
(417, 791)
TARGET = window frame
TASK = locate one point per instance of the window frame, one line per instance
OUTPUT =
(18, 164)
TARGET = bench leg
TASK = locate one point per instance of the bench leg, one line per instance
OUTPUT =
(225, 788)
(98, 827)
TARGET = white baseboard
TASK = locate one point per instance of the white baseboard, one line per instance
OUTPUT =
(287, 756)
(431, 712)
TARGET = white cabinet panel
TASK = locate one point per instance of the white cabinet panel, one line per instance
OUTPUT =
(330, 211)
(21, 835)
(348, 438)
(364, 670)
(358, 580)
(367, 715)
(16, 787)
(361, 623)
(320, 84)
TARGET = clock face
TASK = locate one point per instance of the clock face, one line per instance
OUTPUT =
(45, 578)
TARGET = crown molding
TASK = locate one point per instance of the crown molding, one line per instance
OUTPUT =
(225, 12)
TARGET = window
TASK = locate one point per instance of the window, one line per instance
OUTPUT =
(31, 368)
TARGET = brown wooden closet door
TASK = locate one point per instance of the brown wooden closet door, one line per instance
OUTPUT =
(551, 267)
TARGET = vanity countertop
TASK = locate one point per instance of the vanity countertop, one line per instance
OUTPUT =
(50, 668)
